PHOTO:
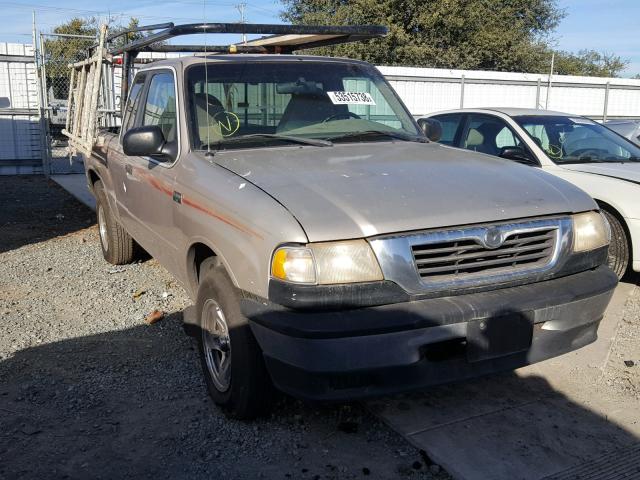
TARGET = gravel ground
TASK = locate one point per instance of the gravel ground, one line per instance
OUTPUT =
(89, 390)
(621, 374)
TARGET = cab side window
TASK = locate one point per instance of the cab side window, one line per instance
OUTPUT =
(487, 134)
(160, 107)
(132, 104)
(450, 125)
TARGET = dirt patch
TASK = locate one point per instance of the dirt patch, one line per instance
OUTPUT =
(621, 373)
(34, 209)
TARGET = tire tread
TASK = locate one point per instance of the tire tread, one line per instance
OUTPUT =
(121, 244)
(619, 248)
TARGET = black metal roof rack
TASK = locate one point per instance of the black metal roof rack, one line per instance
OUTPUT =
(279, 39)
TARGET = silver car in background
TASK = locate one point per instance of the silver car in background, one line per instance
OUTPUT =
(627, 128)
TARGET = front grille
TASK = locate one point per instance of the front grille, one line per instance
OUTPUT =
(451, 259)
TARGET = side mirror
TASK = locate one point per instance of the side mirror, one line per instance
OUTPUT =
(431, 127)
(148, 141)
(517, 154)
(5, 102)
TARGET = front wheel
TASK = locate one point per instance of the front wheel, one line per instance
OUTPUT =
(619, 247)
(232, 362)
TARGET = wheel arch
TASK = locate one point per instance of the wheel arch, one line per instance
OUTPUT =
(93, 177)
(616, 213)
(199, 251)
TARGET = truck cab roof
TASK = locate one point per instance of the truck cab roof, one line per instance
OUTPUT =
(188, 60)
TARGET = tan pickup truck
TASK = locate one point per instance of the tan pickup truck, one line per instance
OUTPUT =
(329, 247)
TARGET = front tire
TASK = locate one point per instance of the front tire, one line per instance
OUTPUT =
(117, 245)
(619, 247)
(232, 362)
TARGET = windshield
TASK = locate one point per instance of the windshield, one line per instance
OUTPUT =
(577, 140)
(245, 104)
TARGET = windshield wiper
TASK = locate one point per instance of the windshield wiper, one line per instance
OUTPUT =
(286, 138)
(586, 160)
(373, 133)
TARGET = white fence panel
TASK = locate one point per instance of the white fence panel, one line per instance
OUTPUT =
(427, 90)
(20, 131)
(623, 103)
(478, 95)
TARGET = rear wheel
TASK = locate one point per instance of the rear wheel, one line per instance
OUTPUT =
(619, 247)
(117, 245)
(232, 362)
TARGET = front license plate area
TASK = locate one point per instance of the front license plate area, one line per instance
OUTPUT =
(498, 336)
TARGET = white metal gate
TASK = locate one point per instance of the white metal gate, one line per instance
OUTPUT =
(21, 142)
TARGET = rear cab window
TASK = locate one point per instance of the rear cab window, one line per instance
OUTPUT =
(133, 102)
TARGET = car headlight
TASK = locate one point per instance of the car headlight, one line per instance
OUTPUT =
(590, 231)
(326, 263)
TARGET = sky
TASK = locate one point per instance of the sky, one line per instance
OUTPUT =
(610, 26)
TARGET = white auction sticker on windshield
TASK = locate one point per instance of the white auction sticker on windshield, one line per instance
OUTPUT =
(351, 98)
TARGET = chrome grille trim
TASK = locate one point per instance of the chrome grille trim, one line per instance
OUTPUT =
(522, 250)
(459, 258)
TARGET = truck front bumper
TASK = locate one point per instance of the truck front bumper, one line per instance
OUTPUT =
(363, 352)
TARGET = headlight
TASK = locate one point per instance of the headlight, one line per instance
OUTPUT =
(590, 231)
(327, 263)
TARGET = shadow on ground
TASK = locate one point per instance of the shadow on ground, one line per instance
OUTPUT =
(45, 212)
(131, 403)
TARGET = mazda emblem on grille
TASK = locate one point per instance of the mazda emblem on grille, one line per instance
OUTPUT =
(493, 238)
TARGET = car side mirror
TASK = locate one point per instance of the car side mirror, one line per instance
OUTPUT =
(5, 102)
(517, 154)
(431, 127)
(148, 141)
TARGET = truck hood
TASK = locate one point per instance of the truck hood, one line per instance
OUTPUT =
(622, 171)
(365, 189)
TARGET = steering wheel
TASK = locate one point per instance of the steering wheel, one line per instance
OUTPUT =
(586, 152)
(337, 116)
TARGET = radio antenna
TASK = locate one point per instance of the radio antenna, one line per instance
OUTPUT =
(206, 77)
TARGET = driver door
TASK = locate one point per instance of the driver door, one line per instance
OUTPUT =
(149, 181)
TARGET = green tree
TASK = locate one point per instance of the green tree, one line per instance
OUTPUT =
(589, 62)
(469, 34)
(60, 51)
(504, 35)
(129, 37)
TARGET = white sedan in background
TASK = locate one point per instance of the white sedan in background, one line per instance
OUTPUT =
(587, 154)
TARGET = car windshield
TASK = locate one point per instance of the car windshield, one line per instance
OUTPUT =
(577, 140)
(253, 104)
